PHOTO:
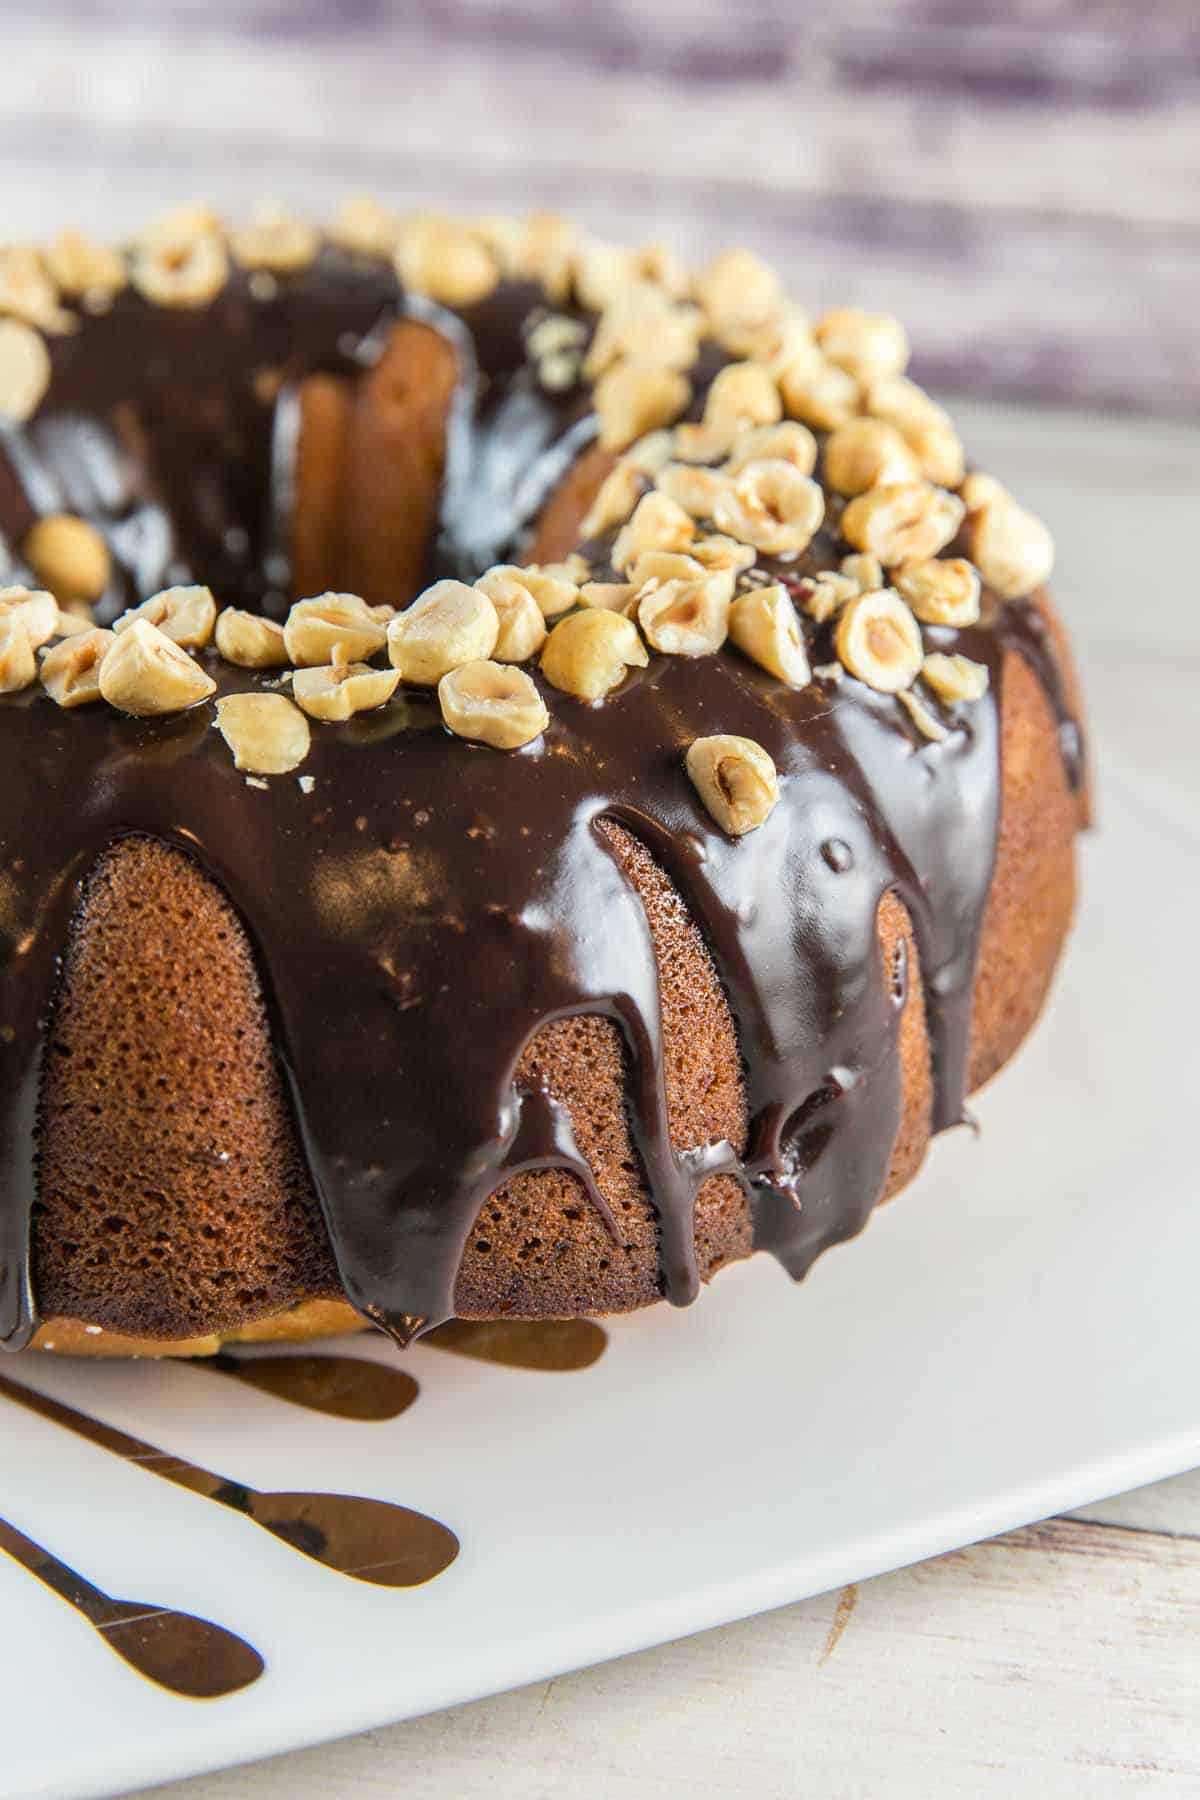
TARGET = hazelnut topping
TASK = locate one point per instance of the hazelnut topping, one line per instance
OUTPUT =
(588, 654)
(144, 673)
(449, 624)
(878, 640)
(736, 779)
(267, 734)
(492, 703)
(71, 670)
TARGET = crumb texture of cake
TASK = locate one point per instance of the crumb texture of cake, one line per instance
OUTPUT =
(537, 774)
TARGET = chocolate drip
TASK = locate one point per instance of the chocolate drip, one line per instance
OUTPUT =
(430, 905)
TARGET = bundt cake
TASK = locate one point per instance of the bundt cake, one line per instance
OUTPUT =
(528, 774)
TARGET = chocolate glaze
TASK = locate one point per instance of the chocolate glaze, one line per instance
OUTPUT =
(432, 904)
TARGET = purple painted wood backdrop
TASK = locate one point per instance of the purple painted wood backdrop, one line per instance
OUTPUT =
(1020, 181)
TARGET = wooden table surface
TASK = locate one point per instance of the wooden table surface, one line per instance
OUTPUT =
(1057, 1661)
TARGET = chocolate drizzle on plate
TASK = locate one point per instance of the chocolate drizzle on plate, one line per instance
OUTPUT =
(368, 1539)
(430, 905)
(551, 1346)
(341, 1387)
(188, 1656)
(364, 1392)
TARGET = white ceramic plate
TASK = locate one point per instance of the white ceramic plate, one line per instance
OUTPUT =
(1017, 1334)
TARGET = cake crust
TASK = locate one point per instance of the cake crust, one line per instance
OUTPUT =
(174, 1252)
(517, 1001)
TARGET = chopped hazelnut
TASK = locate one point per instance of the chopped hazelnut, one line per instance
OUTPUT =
(71, 670)
(612, 596)
(554, 334)
(663, 266)
(27, 291)
(446, 626)
(194, 219)
(18, 664)
(502, 234)
(616, 498)
(736, 779)
(522, 623)
(663, 565)
(658, 523)
(82, 267)
(250, 641)
(941, 591)
(863, 453)
(36, 610)
(787, 442)
(925, 427)
(719, 552)
(869, 346)
(574, 567)
(337, 693)
(691, 486)
(979, 490)
(186, 615)
(492, 703)
(926, 722)
(771, 505)
(702, 443)
(633, 398)
(332, 628)
(438, 257)
(74, 623)
(780, 340)
(70, 556)
(818, 393)
(1013, 550)
(828, 594)
(743, 395)
(651, 453)
(955, 678)
(365, 226)
(144, 673)
(267, 733)
(187, 268)
(602, 272)
(687, 618)
(863, 568)
(902, 521)
(643, 325)
(588, 654)
(553, 585)
(741, 294)
(276, 240)
(24, 371)
(878, 640)
(764, 627)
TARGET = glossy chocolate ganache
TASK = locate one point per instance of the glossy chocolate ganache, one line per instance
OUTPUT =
(422, 904)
